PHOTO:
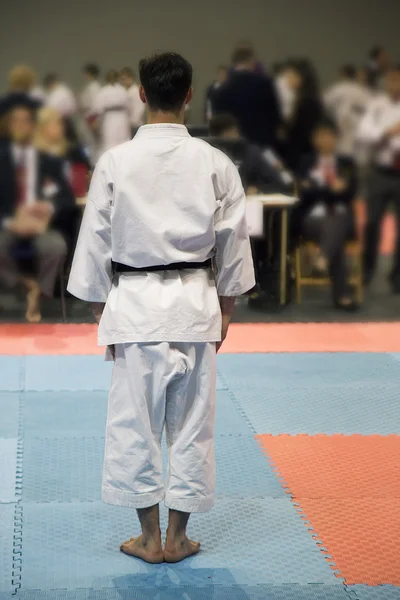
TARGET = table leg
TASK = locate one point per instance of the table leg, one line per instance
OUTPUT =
(284, 240)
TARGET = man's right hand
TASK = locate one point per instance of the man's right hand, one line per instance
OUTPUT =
(27, 227)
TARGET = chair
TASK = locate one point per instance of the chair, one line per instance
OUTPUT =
(23, 253)
(353, 251)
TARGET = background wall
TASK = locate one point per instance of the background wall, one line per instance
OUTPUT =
(61, 35)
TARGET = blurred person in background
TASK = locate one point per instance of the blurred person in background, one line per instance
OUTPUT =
(306, 113)
(137, 108)
(251, 99)
(221, 77)
(248, 46)
(260, 170)
(50, 138)
(380, 131)
(285, 92)
(92, 87)
(33, 193)
(346, 102)
(112, 112)
(59, 96)
(327, 186)
(377, 66)
(21, 88)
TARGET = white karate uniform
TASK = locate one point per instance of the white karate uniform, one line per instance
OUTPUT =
(137, 108)
(88, 97)
(347, 102)
(164, 197)
(113, 106)
(62, 99)
(382, 114)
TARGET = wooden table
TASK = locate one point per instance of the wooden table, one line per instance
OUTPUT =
(283, 203)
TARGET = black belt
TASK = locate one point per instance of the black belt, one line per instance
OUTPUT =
(120, 268)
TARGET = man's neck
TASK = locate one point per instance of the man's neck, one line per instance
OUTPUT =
(24, 145)
(154, 118)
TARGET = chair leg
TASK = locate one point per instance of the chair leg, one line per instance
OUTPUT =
(62, 297)
(360, 283)
(298, 274)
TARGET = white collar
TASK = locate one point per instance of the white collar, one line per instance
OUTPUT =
(163, 129)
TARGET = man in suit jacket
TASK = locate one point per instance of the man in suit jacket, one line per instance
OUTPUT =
(251, 98)
(328, 185)
(33, 195)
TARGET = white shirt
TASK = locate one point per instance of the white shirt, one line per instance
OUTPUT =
(161, 198)
(382, 114)
(347, 102)
(62, 99)
(29, 157)
(136, 106)
(88, 96)
(286, 96)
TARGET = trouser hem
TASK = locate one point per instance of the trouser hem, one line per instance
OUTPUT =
(189, 505)
(129, 499)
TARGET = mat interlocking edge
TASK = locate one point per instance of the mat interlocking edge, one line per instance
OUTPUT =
(347, 490)
(68, 339)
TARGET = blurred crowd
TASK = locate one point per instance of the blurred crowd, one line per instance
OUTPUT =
(329, 147)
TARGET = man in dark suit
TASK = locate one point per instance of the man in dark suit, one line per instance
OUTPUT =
(251, 98)
(33, 195)
(328, 185)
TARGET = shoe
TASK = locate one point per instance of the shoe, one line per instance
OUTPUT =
(352, 307)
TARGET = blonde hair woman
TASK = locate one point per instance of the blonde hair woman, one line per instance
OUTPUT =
(51, 138)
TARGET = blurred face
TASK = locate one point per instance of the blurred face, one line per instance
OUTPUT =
(383, 59)
(125, 80)
(53, 130)
(232, 133)
(222, 75)
(324, 141)
(362, 76)
(393, 83)
(21, 126)
(293, 78)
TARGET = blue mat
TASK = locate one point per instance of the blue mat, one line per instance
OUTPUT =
(210, 592)
(70, 469)
(87, 537)
(9, 409)
(8, 470)
(12, 373)
(59, 373)
(380, 592)
(6, 547)
(316, 393)
(84, 414)
(65, 414)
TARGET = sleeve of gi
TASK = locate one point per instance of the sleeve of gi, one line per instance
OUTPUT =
(91, 273)
(371, 130)
(233, 259)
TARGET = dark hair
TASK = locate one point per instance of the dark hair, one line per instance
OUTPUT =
(91, 69)
(221, 123)
(112, 76)
(242, 55)
(128, 72)
(375, 52)
(166, 79)
(310, 84)
(325, 123)
(49, 79)
(348, 71)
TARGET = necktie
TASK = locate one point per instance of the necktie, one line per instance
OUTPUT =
(21, 180)
(329, 172)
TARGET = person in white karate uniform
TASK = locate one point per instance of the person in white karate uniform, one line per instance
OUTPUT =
(162, 253)
(59, 96)
(112, 109)
(137, 108)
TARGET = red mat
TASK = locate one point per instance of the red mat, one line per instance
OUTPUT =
(242, 337)
(348, 489)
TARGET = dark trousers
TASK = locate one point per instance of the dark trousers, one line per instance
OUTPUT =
(383, 190)
(331, 232)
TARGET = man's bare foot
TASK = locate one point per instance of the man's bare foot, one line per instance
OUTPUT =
(150, 552)
(175, 551)
(33, 314)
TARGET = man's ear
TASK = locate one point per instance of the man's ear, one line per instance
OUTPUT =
(142, 95)
(189, 96)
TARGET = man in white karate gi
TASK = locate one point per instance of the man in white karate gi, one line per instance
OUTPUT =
(162, 252)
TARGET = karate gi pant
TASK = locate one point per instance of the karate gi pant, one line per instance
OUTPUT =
(156, 385)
